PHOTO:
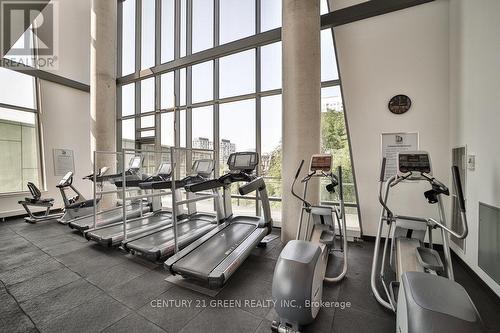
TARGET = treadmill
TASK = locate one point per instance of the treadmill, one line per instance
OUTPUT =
(214, 257)
(160, 244)
(114, 214)
(112, 234)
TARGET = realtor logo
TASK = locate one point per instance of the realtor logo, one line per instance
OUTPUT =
(29, 33)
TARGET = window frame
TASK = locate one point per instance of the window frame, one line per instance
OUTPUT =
(180, 63)
(39, 140)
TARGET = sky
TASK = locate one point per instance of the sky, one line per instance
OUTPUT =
(237, 71)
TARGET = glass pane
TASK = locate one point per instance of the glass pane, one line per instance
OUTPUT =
(243, 206)
(147, 134)
(167, 129)
(167, 91)
(237, 19)
(202, 82)
(128, 99)
(148, 121)
(183, 28)
(128, 133)
(19, 148)
(147, 95)
(182, 96)
(128, 37)
(271, 147)
(237, 128)
(328, 61)
(237, 74)
(203, 127)
(270, 11)
(17, 89)
(334, 140)
(167, 30)
(323, 9)
(182, 131)
(148, 34)
(271, 66)
(203, 25)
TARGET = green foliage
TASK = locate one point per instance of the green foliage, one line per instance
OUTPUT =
(333, 141)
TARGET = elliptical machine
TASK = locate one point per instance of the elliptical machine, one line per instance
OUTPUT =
(301, 267)
(428, 300)
(77, 205)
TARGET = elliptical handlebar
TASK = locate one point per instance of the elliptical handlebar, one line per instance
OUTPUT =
(306, 203)
(461, 202)
(458, 187)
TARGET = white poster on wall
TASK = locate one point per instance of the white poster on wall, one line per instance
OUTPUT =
(392, 144)
(64, 161)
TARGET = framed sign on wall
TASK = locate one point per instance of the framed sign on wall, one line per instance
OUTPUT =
(392, 144)
(64, 161)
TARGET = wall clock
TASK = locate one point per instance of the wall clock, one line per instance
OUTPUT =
(399, 104)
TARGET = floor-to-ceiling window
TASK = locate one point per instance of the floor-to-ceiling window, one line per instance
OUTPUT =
(19, 132)
(189, 79)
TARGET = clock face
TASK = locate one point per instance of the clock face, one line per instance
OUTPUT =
(399, 104)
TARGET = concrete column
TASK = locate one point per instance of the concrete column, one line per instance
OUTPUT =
(103, 57)
(301, 102)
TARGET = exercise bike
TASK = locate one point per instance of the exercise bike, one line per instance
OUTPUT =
(77, 205)
(36, 200)
(424, 295)
(301, 267)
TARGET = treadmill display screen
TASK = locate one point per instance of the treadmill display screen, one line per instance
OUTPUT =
(243, 161)
(135, 163)
(203, 167)
(164, 169)
(414, 162)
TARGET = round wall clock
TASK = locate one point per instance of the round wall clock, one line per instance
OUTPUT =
(399, 104)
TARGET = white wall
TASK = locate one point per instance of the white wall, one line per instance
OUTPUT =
(74, 40)
(405, 52)
(65, 114)
(475, 113)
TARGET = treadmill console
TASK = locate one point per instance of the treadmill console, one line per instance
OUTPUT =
(165, 170)
(245, 161)
(414, 161)
(203, 167)
(320, 162)
(135, 163)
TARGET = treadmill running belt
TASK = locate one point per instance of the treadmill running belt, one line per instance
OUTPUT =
(108, 217)
(161, 243)
(113, 234)
(205, 258)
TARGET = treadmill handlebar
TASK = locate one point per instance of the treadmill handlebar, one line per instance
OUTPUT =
(224, 180)
(167, 184)
(204, 186)
(257, 184)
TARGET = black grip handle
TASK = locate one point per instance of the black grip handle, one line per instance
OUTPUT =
(382, 169)
(458, 187)
(203, 186)
(300, 168)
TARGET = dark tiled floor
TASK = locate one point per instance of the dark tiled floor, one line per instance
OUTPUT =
(53, 280)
